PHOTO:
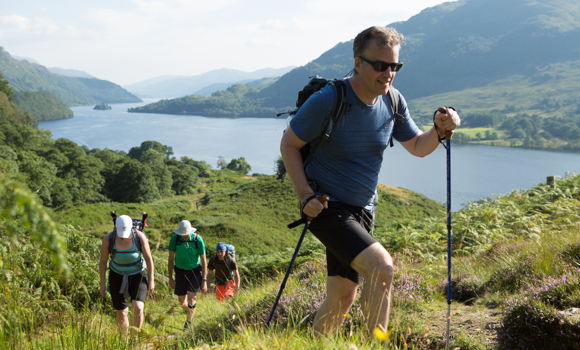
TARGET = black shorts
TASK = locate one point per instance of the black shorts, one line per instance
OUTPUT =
(187, 280)
(344, 231)
(138, 286)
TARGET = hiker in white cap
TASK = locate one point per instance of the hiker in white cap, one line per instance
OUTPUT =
(131, 271)
(187, 251)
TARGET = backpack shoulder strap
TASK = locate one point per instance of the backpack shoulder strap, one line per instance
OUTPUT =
(395, 104)
(195, 239)
(137, 238)
(111, 238)
(340, 107)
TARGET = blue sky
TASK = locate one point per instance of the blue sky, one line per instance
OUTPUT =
(127, 41)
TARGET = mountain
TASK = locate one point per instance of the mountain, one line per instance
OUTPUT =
(31, 60)
(210, 89)
(454, 47)
(71, 72)
(72, 91)
(177, 86)
(41, 105)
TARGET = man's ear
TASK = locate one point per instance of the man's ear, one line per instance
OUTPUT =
(358, 64)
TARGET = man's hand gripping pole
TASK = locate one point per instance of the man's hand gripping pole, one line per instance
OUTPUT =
(323, 199)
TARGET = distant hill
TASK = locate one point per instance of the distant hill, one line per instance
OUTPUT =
(210, 89)
(461, 46)
(41, 105)
(73, 91)
(178, 86)
(71, 72)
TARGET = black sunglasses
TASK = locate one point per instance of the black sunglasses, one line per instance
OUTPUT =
(380, 66)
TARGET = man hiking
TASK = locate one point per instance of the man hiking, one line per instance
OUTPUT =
(347, 168)
(187, 251)
(130, 271)
(226, 268)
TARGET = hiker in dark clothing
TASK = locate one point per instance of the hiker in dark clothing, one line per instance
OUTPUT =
(131, 271)
(187, 250)
(226, 270)
(347, 168)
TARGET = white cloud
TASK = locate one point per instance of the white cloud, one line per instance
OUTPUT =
(133, 40)
(14, 24)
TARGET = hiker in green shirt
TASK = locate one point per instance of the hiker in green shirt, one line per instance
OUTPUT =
(187, 250)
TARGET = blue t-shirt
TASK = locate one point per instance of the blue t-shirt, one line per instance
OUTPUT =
(347, 166)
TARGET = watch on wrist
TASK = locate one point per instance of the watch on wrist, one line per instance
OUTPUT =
(205, 279)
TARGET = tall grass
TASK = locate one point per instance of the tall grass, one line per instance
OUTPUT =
(521, 245)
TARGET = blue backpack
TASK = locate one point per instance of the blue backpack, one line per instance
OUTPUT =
(232, 254)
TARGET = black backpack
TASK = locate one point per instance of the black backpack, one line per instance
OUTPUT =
(193, 240)
(341, 106)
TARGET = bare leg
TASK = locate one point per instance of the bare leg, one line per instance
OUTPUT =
(190, 312)
(340, 294)
(138, 316)
(375, 265)
(123, 321)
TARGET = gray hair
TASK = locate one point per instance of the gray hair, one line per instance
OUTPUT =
(383, 36)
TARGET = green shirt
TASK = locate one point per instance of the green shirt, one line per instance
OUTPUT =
(187, 257)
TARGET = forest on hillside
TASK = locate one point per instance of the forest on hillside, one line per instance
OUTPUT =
(61, 172)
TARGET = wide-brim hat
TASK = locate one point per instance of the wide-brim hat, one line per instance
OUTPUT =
(124, 224)
(185, 228)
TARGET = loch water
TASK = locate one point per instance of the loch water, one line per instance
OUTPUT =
(476, 171)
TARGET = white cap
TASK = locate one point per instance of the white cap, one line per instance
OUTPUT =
(185, 228)
(124, 225)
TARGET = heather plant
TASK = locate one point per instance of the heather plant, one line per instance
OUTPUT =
(410, 289)
(464, 288)
(512, 278)
(532, 325)
(561, 291)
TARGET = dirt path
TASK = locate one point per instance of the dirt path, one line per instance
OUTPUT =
(478, 322)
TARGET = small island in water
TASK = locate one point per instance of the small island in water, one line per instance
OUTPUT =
(102, 107)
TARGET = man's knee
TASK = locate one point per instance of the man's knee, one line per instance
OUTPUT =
(341, 290)
(375, 264)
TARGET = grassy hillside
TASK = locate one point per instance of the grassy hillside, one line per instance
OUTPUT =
(249, 212)
(515, 258)
(549, 92)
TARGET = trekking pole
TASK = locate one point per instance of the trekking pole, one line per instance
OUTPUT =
(114, 216)
(322, 200)
(448, 135)
(144, 221)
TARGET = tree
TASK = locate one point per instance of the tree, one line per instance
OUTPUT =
(40, 174)
(134, 183)
(185, 177)
(8, 161)
(69, 148)
(221, 163)
(85, 181)
(240, 165)
(163, 179)
(5, 88)
(136, 152)
(279, 165)
(151, 157)
(518, 133)
(199, 164)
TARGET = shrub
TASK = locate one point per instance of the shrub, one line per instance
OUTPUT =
(531, 325)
